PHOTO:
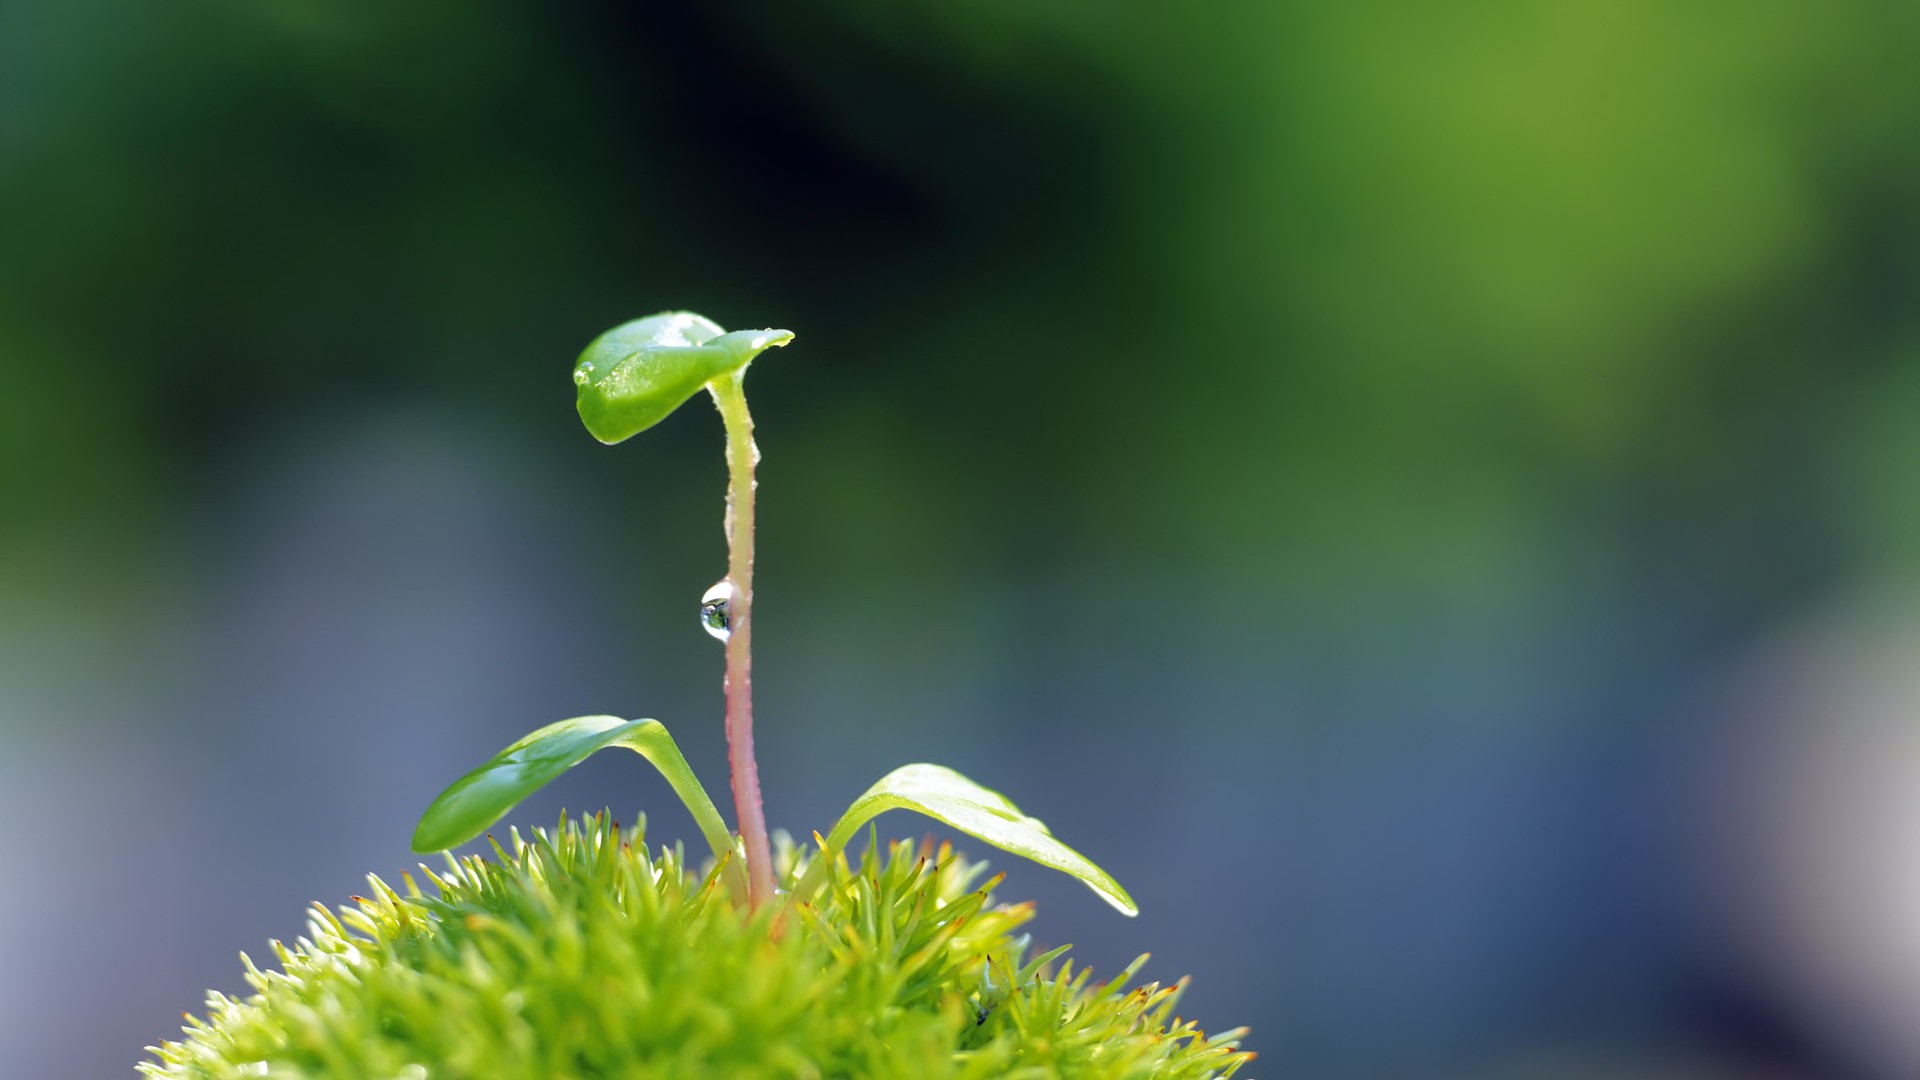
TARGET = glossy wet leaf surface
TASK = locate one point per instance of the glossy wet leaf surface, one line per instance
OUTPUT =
(947, 796)
(634, 375)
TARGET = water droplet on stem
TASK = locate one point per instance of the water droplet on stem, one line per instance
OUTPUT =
(714, 617)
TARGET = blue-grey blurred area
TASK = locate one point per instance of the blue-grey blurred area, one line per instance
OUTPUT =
(1427, 494)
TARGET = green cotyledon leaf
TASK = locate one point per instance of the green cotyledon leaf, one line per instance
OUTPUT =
(483, 796)
(631, 377)
(945, 795)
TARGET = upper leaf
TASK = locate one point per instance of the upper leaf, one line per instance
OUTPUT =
(635, 374)
(947, 796)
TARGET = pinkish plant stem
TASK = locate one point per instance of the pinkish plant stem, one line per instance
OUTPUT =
(729, 394)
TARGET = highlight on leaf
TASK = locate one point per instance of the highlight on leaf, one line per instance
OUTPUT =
(636, 374)
(947, 796)
(480, 798)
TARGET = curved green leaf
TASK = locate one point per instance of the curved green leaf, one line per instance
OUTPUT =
(947, 796)
(483, 796)
(635, 374)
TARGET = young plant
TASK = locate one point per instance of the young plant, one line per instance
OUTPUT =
(629, 379)
(583, 953)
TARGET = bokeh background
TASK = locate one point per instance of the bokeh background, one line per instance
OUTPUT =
(1428, 495)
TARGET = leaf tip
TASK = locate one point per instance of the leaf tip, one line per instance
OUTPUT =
(426, 840)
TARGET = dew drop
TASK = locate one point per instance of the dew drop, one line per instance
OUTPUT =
(713, 609)
(583, 373)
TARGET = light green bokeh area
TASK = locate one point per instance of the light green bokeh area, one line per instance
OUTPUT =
(1495, 240)
(1287, 415)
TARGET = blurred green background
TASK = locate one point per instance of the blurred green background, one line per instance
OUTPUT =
(1428, 495)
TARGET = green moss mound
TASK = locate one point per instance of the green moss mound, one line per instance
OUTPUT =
(579, 953)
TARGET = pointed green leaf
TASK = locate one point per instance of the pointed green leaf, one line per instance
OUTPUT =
(947, 796)
(635, 374)
(483, 796)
